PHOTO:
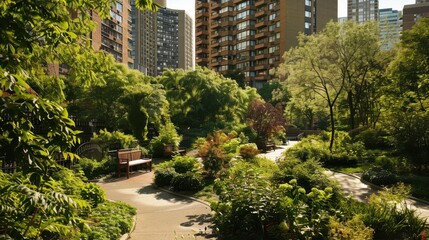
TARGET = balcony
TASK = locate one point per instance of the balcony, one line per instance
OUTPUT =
(261, 13)
(261, 35)
(238, 1)
(260, 45)
(261, 67)
(200, 32)
(261, 2)
(215, 6)
(202, 41)
(201, 50)
(202, 14)
(261, 56)
(261, 24)
(261, 77)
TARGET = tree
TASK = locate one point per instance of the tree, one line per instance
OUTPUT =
(265, 120)
(339, 65)
(203, 97)
(407, 97)
(312, 67)
(32, 34)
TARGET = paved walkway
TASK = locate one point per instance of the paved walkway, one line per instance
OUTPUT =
(160, 215)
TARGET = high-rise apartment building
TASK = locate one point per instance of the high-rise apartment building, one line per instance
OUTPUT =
(390, 27)
(114, 35)
(362, 10)
(413, 12)
(174, 40)
(161, 39)
(251, 36)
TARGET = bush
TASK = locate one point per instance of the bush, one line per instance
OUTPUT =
(379, 176)
(113, 140)
(187, 182)
(93, 194)
(248, 151)
(163, 176)
(167, 136)
(184, 164)
(373, 139)
(110, 220)
(94, 169)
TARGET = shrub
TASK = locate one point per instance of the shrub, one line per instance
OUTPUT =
(163, 176)
(373, 139)
(353, 229)
(187, 182)
(379, 176)
(116, 139)
(109, 220)
(183, 164)
(167, 136)
(93, 194)
(248, 151)
(94, 169)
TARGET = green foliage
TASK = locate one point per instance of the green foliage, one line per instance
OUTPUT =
(109, 220)
(116, 139)
(183, 164)
(379, 176)
(353, 229)
(181, 173)
(345, 153)
(93, 194)
(167, 136)
(388, 215)
(93, 169)
(250, 207)
(248, 151)
(204, 98)
(163, 176)
(373, 139)
(189, 181)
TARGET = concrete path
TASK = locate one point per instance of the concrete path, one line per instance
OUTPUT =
(160, 215)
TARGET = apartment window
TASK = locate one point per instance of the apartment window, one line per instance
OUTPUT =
(244, 14)
(119, 6)
(245, 34)
(308, 14)
(307, 25)
(307, 2)
(272, 16)
(273, 49)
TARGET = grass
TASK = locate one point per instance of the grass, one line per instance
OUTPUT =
(359, 168)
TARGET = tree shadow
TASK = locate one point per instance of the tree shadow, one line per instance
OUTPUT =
(163, 195)
(203, 221)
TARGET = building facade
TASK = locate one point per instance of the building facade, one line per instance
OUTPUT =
(390, 27)
(174, 40)
(250, 36)
(114, 35)
(161, 39)
(413, 12)
(362, 10)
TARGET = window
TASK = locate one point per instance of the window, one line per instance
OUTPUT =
(308, 14)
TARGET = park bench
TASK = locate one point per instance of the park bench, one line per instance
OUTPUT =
(128, 158)
(270, 146)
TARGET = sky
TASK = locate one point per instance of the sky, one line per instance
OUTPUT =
(189, 5)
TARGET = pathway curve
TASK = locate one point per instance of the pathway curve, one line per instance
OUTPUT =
(160, 215)
(353, 186)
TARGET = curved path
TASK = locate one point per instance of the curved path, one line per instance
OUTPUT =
(160, 215)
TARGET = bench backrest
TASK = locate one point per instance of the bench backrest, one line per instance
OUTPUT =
(124, 155)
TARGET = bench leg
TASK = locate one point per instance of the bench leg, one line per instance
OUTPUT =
(128, 172)
(150, 166)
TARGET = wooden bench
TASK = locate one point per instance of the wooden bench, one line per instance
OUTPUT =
(271, 146)
(181, 152)
(132, 157)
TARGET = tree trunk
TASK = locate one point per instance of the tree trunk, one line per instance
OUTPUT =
(352, 110)
(331, 112)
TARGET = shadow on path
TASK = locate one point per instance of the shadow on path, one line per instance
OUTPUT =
(161, 195)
